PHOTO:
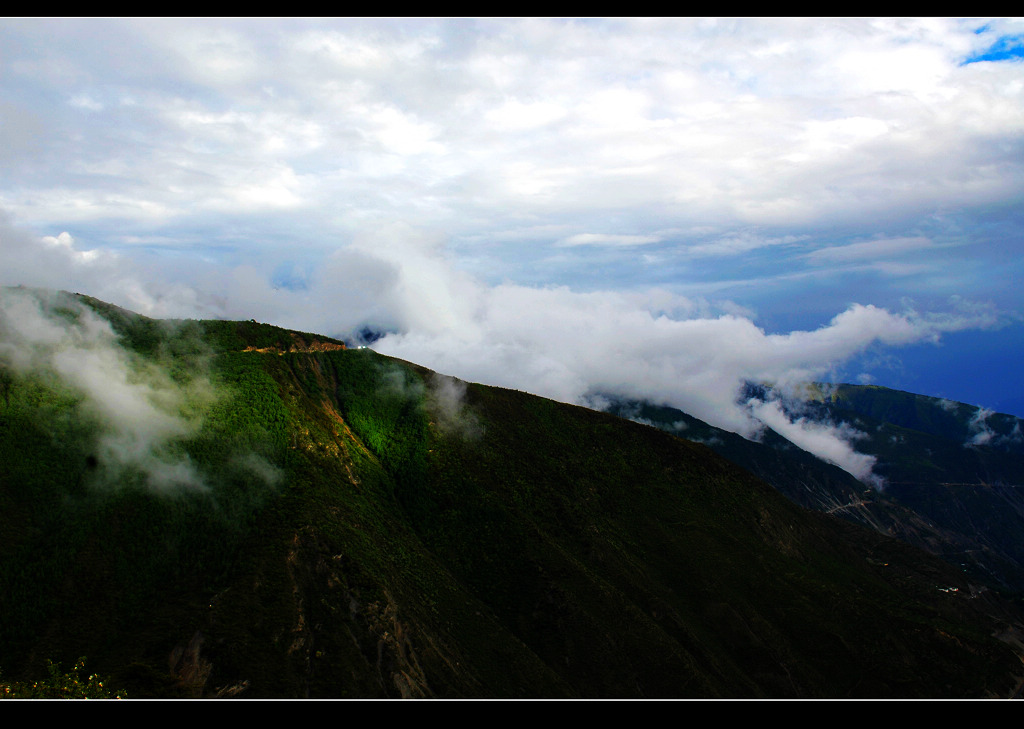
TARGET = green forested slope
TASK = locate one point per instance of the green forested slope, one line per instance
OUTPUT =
(357, 526)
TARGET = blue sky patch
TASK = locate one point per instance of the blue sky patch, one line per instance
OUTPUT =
(1004, 49)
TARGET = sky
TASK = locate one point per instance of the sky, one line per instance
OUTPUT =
(661, 208)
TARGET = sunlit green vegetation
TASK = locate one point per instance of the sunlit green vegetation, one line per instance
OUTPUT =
(74, 684)
(344, 543)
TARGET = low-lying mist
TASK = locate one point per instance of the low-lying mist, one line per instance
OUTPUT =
(655, 345)
(138, 413)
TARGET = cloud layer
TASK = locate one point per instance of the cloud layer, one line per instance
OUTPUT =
(568, 345)
(616, 133)
(659, 208)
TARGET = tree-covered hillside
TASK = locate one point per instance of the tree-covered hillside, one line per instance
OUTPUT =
(232, 509)
(947, 477)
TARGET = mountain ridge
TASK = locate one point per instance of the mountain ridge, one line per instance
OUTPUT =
(336, 523)
(944, 489)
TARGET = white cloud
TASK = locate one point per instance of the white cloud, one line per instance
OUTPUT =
(981, 432)
(871, 250)
(729, 138)
(742, 242)
(139, 411)
(212, 55)
(270, 188)
(829, 442)
(520, 116)
(57, 262)
(401, 133)
(765, 122)
(568, 345)
(606, 239)
(66, 243)
(86, 101)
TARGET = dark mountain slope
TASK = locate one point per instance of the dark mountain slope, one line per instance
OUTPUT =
(953, 474)
(367, 528)
(956, 422)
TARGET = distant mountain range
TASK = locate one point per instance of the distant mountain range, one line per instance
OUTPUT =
(951, 475)
(232, 509)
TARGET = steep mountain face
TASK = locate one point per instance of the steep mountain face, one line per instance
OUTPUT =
(314, 521)
(952, 475)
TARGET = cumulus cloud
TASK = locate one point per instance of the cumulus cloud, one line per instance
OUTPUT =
(151, 287)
